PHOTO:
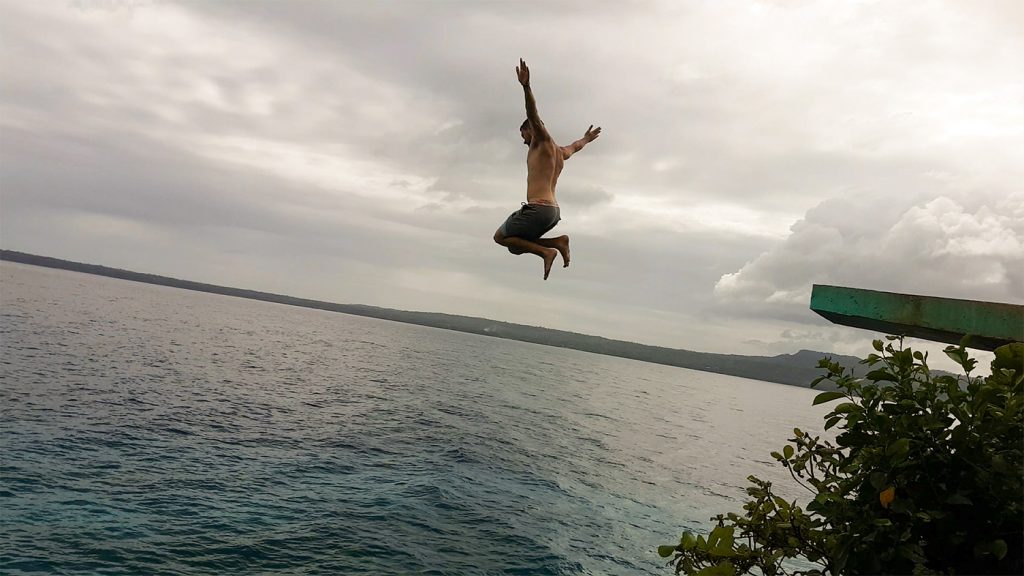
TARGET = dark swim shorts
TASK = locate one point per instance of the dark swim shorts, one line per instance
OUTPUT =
(531, 221)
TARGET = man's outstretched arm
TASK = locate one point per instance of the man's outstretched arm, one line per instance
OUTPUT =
(540, 131)
(589, 136)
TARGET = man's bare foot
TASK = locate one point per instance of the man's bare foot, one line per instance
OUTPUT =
(562, 245)
(549, 258)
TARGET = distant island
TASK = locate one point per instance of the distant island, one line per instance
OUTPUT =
(797, 369)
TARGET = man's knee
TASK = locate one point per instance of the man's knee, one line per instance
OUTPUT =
(500, 239)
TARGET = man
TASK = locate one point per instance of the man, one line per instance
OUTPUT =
(522, 231)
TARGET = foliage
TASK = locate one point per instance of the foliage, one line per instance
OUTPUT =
(925, 477)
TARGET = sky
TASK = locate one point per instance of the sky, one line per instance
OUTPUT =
(365, 153)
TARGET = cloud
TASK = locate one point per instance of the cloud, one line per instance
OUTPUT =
(584, 197)
(365, 152)
(959, 246)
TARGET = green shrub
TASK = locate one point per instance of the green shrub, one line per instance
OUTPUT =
(925, 477)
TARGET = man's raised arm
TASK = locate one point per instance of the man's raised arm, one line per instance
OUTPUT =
(532, 115)
(589, 136)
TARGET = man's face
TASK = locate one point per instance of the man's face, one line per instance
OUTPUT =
(527, 135)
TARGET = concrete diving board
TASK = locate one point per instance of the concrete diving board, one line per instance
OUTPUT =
(989, 324)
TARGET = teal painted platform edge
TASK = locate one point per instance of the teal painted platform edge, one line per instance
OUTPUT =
(989, 324)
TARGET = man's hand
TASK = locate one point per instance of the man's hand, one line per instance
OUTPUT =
(589, 136)
(523, 73)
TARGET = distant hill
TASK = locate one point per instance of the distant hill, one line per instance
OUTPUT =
(795, 369)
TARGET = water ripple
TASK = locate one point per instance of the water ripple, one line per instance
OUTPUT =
(150, 430)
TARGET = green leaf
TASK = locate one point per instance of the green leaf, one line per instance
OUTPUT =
(787, 451)
(721, 569)
(832, 421)
(687, 541)
(1009, 357)
(912, 552)
(883, 522)
(996, 548)
(721, 541)
(877, 345)
(826, 397)
(898, 448)
(824, 497)
(713, 539)
(846, 408)
(957, 354)
(999, 549)
(959, 499)
(881, 375)
(666, 551)
(901, 506)
(999, 464)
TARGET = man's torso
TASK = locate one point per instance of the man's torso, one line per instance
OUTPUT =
(543, 165)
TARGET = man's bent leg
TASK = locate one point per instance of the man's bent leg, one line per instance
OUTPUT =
(518, 245)
(499, 237)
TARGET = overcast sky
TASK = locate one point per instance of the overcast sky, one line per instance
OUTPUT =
(362, 152)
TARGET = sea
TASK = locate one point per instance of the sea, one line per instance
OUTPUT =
(154, 430)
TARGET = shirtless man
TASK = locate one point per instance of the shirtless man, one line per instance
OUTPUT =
(522, 231)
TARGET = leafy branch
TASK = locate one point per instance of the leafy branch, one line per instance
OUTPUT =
(924, 477)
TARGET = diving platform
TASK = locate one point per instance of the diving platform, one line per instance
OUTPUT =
(988, 324)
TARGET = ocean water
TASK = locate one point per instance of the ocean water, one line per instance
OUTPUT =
(151, 430)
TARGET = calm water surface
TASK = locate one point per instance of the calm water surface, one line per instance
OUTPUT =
(151, 430)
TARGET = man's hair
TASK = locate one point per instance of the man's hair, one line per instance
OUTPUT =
(525, 124)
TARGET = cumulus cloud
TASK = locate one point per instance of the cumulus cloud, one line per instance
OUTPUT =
(963, 246)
